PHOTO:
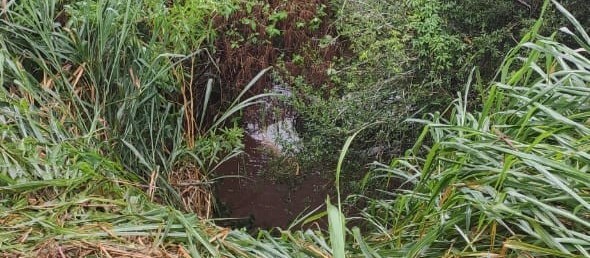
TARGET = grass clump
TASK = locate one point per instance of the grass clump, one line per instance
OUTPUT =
(99, 70)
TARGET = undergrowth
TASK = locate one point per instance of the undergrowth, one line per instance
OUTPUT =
(93, 123)
(91, 71)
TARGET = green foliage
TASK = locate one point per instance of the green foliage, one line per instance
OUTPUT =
(216, 147)
(509, 179)
(324, 121)
(490, 28)
(377, 34)
(86, 109)
(408, 58)
(273, 19)
(100, 79)
(258, 14)
(438, 53)
(368, 85)
(185, 26)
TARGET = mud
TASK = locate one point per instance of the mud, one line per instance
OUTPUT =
(249, 190)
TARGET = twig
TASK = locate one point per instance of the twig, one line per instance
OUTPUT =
(525, 4)
(504, 138)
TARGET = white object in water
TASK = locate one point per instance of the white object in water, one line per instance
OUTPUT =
(280, 136)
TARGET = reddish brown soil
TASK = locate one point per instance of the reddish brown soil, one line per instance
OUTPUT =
(256, 195)
(240, 61)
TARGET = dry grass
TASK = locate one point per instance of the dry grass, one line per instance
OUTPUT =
(194, 188)
(126, 247)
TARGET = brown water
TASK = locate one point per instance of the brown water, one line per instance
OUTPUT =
(257, 194)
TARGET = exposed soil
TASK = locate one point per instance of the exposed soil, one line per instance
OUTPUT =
(246, 47)
(259, 199)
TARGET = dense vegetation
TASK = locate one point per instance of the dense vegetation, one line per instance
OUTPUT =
(410, 58)
(114, 114)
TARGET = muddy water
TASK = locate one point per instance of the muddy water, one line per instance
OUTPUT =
(256, 194)
(266, 184)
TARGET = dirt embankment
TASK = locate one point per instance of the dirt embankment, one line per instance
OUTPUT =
(296, 37)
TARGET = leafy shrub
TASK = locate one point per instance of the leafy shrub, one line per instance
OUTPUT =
(186, 26)
(439, 54)
(387, 49)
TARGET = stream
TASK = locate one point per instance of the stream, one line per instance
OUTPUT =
(265, 187)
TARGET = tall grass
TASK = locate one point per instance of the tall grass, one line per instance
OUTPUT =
(89, 125)
(508, 180)
(98, 69)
